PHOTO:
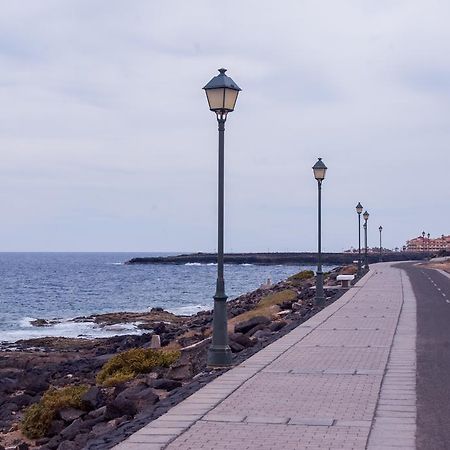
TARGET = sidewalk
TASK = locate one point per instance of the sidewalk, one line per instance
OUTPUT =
(344, 379)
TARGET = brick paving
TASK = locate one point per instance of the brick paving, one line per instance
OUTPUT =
(345, 379)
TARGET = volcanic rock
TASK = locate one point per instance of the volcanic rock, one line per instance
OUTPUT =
(247, 325)
(166, 384)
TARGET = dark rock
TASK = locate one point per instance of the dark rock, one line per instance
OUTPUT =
(92, 398)
(255, 329)
(72, 430)
(68, 445)
(278, 325)
(41, 441)
(242, 339)
(261, 334)
(235, 347)
(33, 384)
(167, 385)
(70, 414)
(56, 427)
(247, 325)
(53, 443)
(140, 397)
(22, 446)
(160, 328)
(22, 400)
(81, 439)
(119, 408)
(99, 412)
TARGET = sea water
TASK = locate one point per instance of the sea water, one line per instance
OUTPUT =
(63, 286)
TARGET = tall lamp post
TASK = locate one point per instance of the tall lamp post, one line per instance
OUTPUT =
(359, 210)
(428, 242)
(366, 259)
(380, 229)
(222, 93)
(319, 170)
(423, 241)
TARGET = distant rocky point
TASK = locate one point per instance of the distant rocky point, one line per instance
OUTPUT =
(276, 258)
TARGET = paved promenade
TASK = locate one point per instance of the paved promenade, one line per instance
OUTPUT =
(345, 379)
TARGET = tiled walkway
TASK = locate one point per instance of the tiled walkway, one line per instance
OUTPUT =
(345, 379)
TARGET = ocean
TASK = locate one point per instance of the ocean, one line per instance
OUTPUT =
(67, 285)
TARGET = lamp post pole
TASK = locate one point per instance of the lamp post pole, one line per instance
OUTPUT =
(366, 258)
(428, 243)
(221, 93)
(359, 210)
(423, 241)
(319, 170)
(380, 229)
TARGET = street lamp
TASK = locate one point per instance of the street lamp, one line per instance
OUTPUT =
(359, 210)
(366, 260)
(319, 170)
(380, 229)
(423, 241)
(428, 242)
(222, 93)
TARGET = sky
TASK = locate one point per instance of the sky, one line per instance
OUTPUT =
(107, 142)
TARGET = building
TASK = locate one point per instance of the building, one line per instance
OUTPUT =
(428, 244)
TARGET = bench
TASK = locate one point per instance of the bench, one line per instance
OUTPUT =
(345, 280)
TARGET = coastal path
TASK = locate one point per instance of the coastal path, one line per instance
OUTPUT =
(346, 379)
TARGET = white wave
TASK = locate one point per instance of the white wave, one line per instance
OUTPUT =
(211, 264)
(189, 309)
(246, 264)
(193, 264)
(25, 322)
(116, 264)
(68, 329)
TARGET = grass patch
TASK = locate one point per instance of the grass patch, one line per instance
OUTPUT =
(298, 278)
(265, 307)
(38, 417)
(128, 365)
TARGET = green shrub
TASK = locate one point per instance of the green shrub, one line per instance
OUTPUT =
(127, 365)
(38, 417)
(301, 276)
(277, 298)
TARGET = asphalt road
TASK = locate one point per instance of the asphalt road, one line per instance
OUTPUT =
(432, 290)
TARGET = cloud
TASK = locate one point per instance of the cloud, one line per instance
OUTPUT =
(103, 122)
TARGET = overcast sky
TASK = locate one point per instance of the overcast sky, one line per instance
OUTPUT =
(107, 143)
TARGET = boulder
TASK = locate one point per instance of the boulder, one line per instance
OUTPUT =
(247, 325)
(99, 412)
(255, 329)
(242, 339)
(278, 325)
(67, 445)
(119, 408)
(166, 384)
(235, 347)
(261, 334)
(72, 430)
(92, 398)
(70, 414)
(56, 427)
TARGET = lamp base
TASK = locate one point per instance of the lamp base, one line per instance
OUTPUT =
(319, 300)
(219, 357)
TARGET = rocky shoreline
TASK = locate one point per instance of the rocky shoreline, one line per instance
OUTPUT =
(105, 414)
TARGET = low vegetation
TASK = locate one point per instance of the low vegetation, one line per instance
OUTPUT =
(38, 417)
(265, 307)
(300, 277)
(128, 365)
